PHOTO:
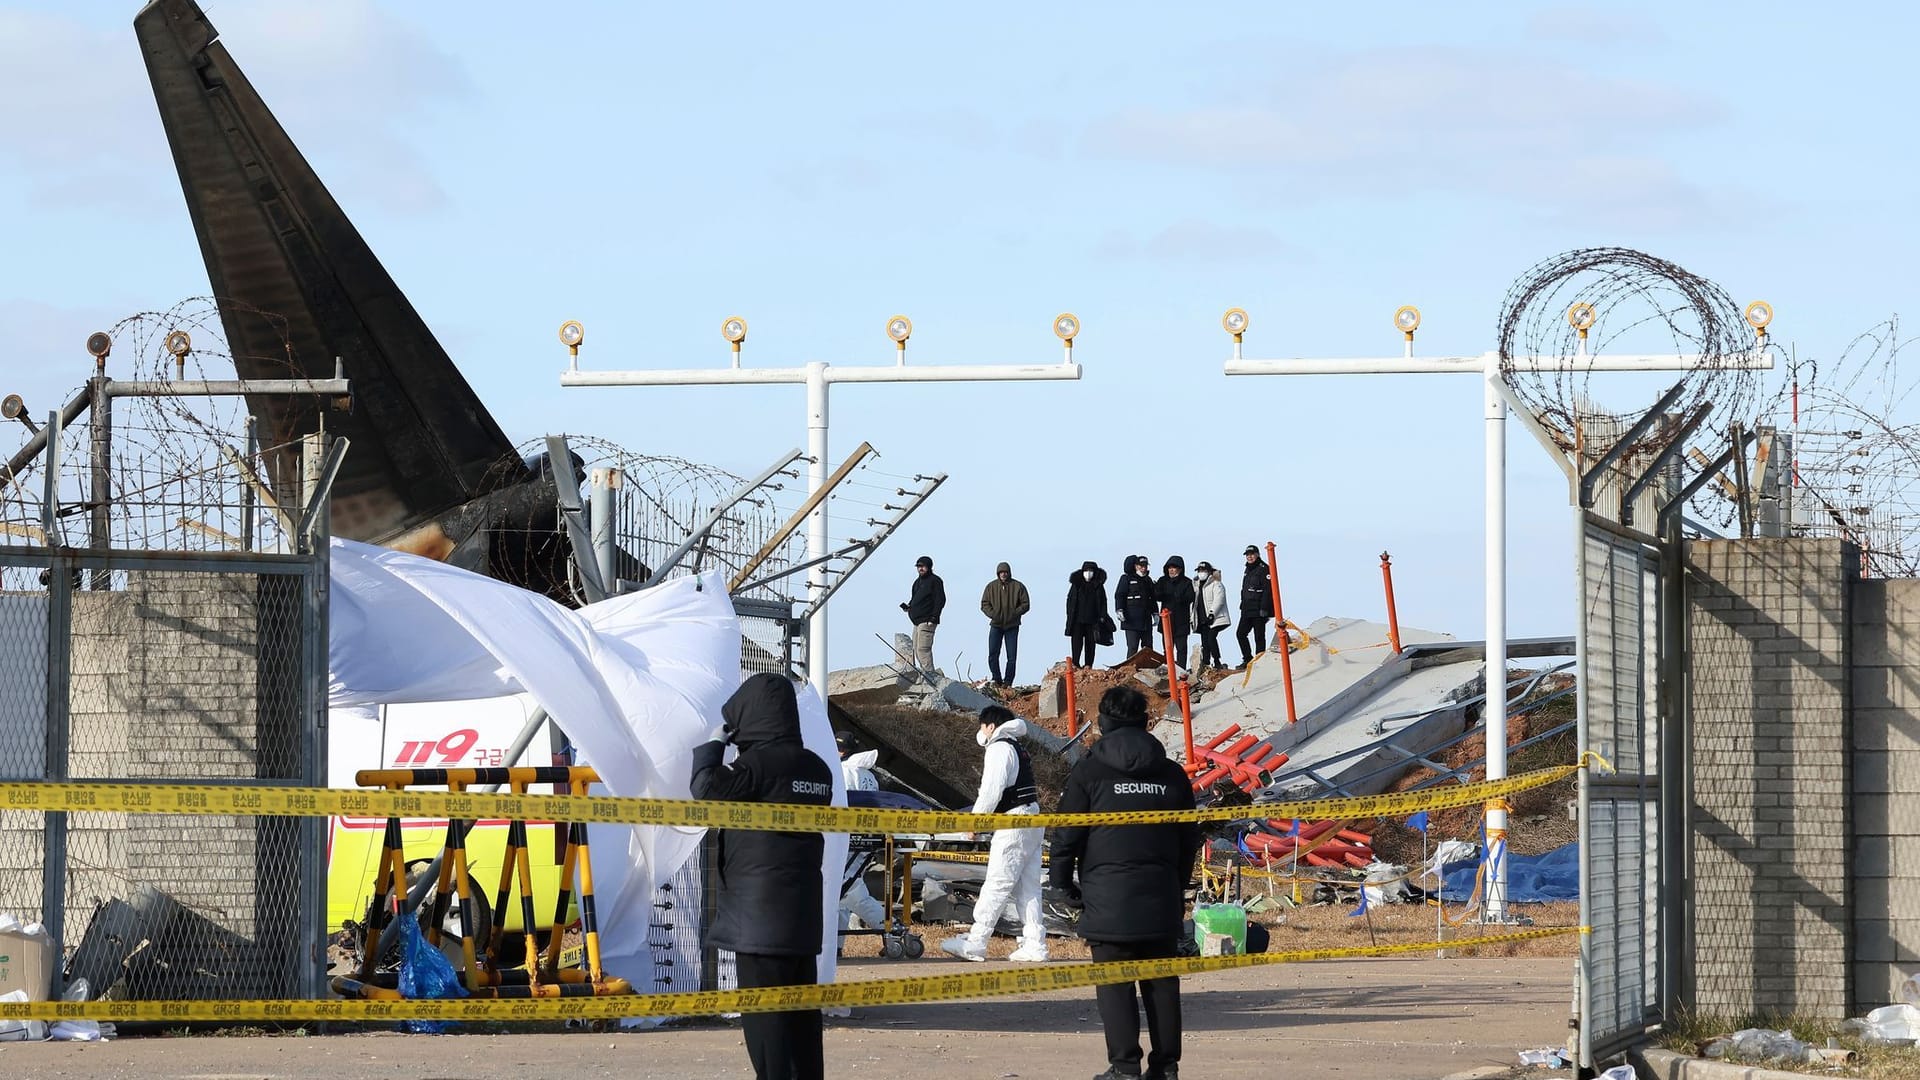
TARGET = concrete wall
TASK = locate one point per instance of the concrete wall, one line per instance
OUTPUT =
(190, 677)
(1886, 783)
(1770, 697)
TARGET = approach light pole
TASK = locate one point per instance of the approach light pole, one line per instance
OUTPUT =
(817, 376)
(1498, 396)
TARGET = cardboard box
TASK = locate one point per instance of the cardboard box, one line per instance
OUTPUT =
(26, 963)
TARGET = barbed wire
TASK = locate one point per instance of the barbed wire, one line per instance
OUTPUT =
(1857, 449)
(1633, 296)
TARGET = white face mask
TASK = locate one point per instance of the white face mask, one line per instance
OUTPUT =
(983, 736)
(1087, 575)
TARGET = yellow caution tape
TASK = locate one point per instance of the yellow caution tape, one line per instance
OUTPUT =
(1026, 979)
(772, 817)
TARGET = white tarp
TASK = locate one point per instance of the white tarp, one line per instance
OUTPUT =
(635, 681)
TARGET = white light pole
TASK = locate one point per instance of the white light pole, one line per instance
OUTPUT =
(818, 376)
(1497, 397)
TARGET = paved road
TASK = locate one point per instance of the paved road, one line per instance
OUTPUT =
(1387, 1019)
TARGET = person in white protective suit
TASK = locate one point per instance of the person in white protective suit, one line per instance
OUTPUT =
(856, 768)
(1013, 864)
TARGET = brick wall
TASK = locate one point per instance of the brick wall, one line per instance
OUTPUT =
(191, 677)
(1886, 781)
(1768, 683)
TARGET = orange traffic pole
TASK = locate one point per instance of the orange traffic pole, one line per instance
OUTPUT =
(1073, 711)
(1393, 616)
(1280, 631)
(1176, 686)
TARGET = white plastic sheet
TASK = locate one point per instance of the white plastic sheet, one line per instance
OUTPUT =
(636, 682)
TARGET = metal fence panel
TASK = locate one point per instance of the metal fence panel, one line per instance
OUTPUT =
(1621, 993)
(167, 668)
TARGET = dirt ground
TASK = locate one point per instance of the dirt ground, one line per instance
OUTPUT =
(1393, 1019)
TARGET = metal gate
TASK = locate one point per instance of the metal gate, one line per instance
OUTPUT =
(1623, 991)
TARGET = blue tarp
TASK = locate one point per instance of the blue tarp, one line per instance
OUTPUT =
(1531, 879)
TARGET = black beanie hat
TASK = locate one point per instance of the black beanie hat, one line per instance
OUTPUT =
(1122, 707)
(924, 560)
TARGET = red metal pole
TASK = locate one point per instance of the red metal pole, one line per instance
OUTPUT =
(1280, 631)
(1176, 686)
(1393, 616)
(1073, 711)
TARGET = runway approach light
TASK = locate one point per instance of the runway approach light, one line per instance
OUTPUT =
(735, 331)
(1234, 322)
(1407, 319)
(571, 335)
(1066, 326)
(100, 343)
(1759, 314)
(13, 408)
(179, 343)
(900, 328)
(1581, 318)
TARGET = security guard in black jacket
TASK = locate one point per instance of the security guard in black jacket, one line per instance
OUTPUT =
(769, 905)
(1133, 878)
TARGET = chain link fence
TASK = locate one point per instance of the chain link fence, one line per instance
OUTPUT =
(168, 668)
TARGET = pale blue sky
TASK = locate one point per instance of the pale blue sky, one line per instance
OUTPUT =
(981, 167)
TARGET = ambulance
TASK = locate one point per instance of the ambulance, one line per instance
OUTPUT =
(437, 735)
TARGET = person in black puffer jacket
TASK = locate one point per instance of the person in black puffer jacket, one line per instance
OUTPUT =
(1256, 606)
(1086, 611)
(768, 910)
(1174, 591)
(1134, 605)
(1132, 878)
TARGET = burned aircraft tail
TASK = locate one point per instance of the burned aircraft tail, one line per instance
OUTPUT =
(429, 469)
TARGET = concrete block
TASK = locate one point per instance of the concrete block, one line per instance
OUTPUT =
(1885, 772)
(1876, 985)
(1896, 900)
(1892, 646)
(1883, 941)
(1053, 698)
(1886, 688)
(1887, 817)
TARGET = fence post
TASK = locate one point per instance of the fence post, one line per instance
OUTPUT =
(1393, 615)
(1073, 708)
(1176, 686)
(59, 767)
(1280, 631)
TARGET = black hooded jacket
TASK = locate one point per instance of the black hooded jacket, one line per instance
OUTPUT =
(1176, 595)
(928, 599)
(1086, 600)
(770, 887)
(1256, 595)
(1133, 602)
(1133, 878)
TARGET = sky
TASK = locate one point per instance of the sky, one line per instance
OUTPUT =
(650, 170)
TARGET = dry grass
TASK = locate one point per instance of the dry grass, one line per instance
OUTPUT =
(1691, 1032)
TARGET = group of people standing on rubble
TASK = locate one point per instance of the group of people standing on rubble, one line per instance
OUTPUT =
(1198, 604)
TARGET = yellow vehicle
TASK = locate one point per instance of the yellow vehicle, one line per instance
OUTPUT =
(456, 734)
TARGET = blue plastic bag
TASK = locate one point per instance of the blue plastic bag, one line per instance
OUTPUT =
(425, 973)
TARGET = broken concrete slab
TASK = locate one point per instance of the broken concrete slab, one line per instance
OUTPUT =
(1052, 700)
(946, 695)
(876, 685)
(1154, 679)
